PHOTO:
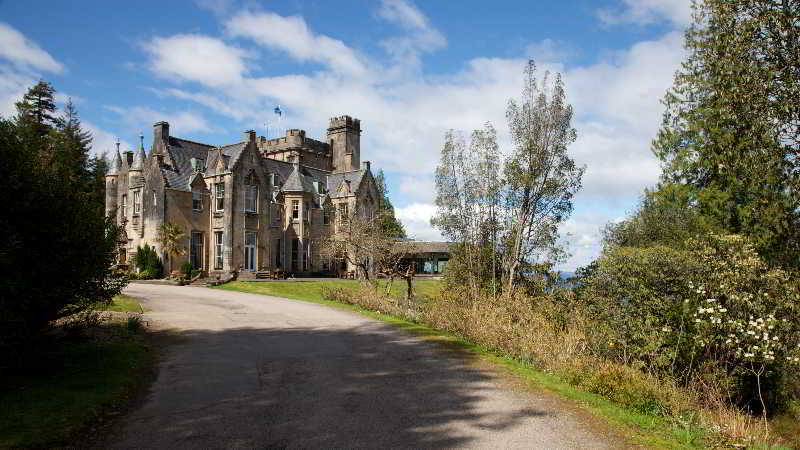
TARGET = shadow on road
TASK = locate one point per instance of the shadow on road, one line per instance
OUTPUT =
(367, 386)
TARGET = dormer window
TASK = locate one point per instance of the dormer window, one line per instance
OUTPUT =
(197, 200)
(197, 164)
(295, 209)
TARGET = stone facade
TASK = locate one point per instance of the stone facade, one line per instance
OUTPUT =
(254, 205)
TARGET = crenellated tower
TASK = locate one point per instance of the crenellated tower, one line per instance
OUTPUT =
(344, 138)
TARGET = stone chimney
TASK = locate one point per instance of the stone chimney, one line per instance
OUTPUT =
(250, 136)
(160, 143)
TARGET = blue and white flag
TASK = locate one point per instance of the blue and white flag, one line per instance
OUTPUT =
(277, 110)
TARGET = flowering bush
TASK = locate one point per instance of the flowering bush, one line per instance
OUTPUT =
(745, 318)
(715, 316)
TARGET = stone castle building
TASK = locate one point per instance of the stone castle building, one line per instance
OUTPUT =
(260, 204)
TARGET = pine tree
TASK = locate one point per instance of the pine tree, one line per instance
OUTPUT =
(38, 107)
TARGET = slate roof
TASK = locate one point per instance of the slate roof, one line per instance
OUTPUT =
(181, 151)
(116, 164)
(417, 247)
(336, 179)
(302, 181)
(180, 173)
(138, 159)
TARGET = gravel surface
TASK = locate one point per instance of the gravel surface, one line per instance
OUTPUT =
(262, 372)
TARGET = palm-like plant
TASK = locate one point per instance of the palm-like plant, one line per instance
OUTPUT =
(170, 237)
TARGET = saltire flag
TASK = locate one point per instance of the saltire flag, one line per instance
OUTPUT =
(277, 110)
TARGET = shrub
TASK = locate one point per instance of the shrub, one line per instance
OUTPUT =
(148, 263)
(186, 270)
(715, 316)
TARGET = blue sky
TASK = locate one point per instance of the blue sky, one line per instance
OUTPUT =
(409, 71)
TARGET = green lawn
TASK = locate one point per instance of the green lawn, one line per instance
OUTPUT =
(125, 303)
(312, 290)
(76, 383)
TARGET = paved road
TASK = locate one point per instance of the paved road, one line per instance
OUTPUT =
(263, 372)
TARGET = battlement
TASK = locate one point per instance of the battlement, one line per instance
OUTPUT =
(344, 122)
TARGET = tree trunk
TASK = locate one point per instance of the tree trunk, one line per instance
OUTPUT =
(409, 286)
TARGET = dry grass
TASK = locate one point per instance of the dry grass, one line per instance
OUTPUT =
(554, 338)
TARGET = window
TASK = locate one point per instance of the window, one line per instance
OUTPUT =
(326, 216)
(295, 209)
(218, 249)
(307, 259)
(250, 198)
(306, 213)
(124, 206)
(278, 253)
(219, 194)
(295, 254)
(275, 211)
(342, 213)
(137, 202)
(197, 164)
(197, 200)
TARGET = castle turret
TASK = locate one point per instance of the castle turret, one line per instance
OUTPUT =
(140, 157)
(344, 138)
(112, 178)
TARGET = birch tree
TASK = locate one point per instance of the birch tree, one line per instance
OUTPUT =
(541, 179)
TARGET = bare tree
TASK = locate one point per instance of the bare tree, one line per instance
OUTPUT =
(358, 239)
(541, 178)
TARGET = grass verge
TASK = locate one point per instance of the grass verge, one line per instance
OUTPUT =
(78, 385)
(125, 303)
(312, 290)
(641, 429)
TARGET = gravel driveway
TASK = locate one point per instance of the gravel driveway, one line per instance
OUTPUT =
(262, 372)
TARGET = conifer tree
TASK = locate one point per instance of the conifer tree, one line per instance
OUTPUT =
(731, 130)
(38, 107)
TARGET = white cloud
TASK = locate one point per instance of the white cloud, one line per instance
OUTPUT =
(646, 12)
(293, 36)
(416, 219)
(420, 35)
(141, 119)
(234, 110)
(21, 51)
(198, 58)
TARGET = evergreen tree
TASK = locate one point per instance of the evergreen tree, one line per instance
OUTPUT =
(53, 231)
(731, 130)
(38, 107)
(388, 222)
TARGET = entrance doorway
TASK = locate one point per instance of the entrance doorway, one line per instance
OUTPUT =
(250, 251)
(196, 251)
